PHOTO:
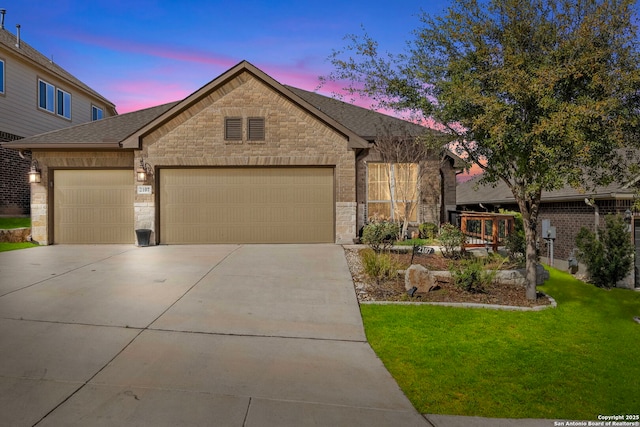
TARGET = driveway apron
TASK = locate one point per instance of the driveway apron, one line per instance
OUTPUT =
(228, 335)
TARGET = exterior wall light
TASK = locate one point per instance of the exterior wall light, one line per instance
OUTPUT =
(144, 171)
(34, 173)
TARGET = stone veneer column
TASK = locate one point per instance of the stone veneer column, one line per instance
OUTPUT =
(345, 222)
(145, 217)
(40, 210)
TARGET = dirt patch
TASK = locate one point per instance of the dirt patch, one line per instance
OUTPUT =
(394, 290)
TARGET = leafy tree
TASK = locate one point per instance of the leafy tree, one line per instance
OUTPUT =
(538, 93)
(609, 258)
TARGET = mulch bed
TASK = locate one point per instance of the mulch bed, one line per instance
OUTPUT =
(394, 290)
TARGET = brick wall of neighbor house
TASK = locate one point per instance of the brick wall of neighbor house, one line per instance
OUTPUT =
(14, 185)
(293, 138)
(569, 217)
(60, 159)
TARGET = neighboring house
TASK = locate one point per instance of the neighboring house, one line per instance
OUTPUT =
(244, 159)
(568, 210)
(36, 96)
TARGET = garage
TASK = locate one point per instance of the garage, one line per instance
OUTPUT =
(93, 206)
(247, 205)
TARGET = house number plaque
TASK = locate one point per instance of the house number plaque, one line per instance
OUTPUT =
(144, 189)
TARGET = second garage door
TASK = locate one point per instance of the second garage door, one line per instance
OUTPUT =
(246, 205)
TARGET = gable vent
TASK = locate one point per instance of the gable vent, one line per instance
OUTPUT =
(255, 128)
(233, 129)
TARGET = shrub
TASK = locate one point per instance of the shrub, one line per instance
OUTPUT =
(472, 275)
(380, 267)
(610, 258)
(452, 240)
(380, 235)
(516, 242)
(516, 245)
(428, 230)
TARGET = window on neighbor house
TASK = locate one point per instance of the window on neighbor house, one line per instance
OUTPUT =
(96, 113)
(64, 103)
(46, 96)
(385, 180)
(1, 76)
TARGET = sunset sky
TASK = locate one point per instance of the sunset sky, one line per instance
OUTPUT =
(141, 53)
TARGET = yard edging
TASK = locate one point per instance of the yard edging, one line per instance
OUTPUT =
(553, 304)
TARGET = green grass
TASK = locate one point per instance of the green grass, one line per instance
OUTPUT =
(7, 223)
(15, 246)
(573, 362)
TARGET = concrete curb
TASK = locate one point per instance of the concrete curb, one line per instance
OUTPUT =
(468, 305)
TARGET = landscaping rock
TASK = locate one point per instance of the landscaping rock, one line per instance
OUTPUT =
(15, 235)
(419, 277)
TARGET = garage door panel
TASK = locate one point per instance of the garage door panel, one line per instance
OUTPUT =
(247, 205)
(93, 206)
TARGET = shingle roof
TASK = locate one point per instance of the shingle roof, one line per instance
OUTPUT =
(9, 41)
(466, 194)
(104, 133)
(363, 121)
(115, 131)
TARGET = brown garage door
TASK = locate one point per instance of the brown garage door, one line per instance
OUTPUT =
(93, 206)
(246, 205)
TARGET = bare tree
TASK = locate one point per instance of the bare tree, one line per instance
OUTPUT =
(403, 152)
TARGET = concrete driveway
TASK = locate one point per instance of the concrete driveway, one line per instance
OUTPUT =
(228, 335)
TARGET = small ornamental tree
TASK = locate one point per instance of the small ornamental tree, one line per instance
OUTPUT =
(610, 258)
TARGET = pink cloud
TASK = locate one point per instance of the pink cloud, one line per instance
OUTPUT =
(160, 51)
(133, 95)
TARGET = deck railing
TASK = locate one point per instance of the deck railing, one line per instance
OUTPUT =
(485, 229)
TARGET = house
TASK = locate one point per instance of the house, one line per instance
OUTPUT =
(36, 96)
(567, 209)
(244, 159)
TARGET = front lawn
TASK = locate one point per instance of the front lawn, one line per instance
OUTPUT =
(15, 246)
(573, 362)
(8, 223)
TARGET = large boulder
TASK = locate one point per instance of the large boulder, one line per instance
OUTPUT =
(421, 278)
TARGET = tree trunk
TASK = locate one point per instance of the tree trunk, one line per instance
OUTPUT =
(529, 210)
(531, 261)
